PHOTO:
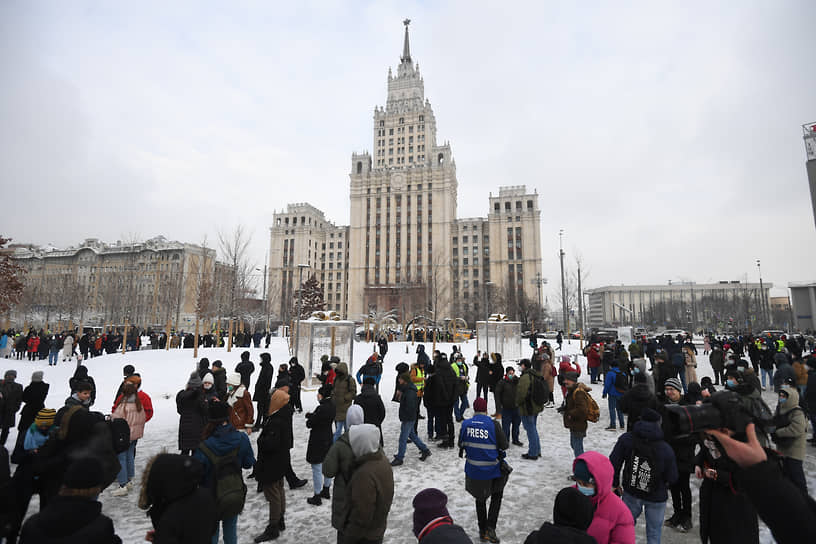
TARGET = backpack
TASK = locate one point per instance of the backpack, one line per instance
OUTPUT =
(229, 488)
(539, 393)
(120, 434)
(621, 382)
(641, 471)
(593, 412)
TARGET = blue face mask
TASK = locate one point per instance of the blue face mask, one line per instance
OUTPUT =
(783, 400)
(731, 384)
(636, 370)
(588, 491)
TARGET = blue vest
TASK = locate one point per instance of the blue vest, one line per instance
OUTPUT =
(478, 437)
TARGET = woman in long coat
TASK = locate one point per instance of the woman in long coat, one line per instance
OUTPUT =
(192, 410)
(320, 440)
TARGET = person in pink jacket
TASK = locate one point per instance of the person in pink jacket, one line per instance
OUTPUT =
(612, 522)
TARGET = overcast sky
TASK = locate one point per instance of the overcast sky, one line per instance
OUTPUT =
(665, 140)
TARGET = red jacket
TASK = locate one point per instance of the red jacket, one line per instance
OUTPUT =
(593, 358)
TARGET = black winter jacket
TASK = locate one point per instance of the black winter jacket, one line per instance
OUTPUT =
(549, 534)
(273, 447)
(34, 398)
(506, 394)
(372, 405)
(69, 520)
(245, 368)
(320, 438)
(635, 400)
(408, 402)
(650, 433)
(446, 534)
(191, 407)
(263, 384)
(440, 387)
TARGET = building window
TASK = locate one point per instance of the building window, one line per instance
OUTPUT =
(529, 204)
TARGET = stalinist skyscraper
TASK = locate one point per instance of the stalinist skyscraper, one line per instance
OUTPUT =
(404, 248)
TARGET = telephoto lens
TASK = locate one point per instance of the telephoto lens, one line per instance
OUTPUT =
(723, 410)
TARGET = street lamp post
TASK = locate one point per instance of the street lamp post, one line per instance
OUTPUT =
(487, 285)
(300, 306)
(266, 302)
(761, 295)
(564, 314)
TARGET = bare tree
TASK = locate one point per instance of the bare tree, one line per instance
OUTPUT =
(439, 285)
(11, 280)
(234, 250)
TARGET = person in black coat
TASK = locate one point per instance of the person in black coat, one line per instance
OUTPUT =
(80, 376)
(440, 395)
(636, 400)
(12, 397)
(572, 516)
(320, 440)
(482, 374)
(179, 509)
(74, 515)
(296, 374)
(219, 380)
(263, 387)
(274, 462)
(34, 398)
(245, 368)
(371, 403)
(684, 454)
(191, 407)
(203, 367)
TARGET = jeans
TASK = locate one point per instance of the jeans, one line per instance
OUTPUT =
(406, 432)
(338, 432)
(614, 407)
(593, 373)
(510, 422)
(534, 446)
(126, 460)
(576, 443)
(317, 478)
(230, 531)
(53, 357)
(654, 515)
(768, 373)
(431, 418)
(460, 405)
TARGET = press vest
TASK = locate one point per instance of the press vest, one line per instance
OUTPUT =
(478, 437)
(418, 379)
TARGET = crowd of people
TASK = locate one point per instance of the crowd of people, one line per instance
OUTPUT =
(69, 455)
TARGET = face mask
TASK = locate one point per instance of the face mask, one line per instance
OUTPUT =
(636, 370)
(731, 384)
(207, 385)
(588, 491)
(783, 400)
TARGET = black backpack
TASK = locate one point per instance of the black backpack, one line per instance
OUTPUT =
(539, 393)
(621, 382)
(641, 471)
(228, 487)
(120, 434)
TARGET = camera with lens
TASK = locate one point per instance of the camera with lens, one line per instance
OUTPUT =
(723, 410)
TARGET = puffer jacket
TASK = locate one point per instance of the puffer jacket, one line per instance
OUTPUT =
(576, 408)
(612, 522)
(506, 393)
(67, 520)
(345, 389)
(635, 401)
(338, 464)
(791, 431)
(135, 418)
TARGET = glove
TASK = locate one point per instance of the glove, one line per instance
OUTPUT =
(603, 396)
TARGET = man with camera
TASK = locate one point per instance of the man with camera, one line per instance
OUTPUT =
(683, 447)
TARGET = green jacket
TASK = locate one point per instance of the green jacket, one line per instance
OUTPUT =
(338, 464)
(525, 405)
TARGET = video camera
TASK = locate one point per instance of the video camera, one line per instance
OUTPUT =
(724, 409)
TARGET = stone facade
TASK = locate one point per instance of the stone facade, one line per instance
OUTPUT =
(405, 249)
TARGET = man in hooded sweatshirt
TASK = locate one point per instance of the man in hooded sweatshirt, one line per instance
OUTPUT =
(245, 368)
(612, 522)
(649, 466)
(572, 514)
(791, 435)
(370, 490)
(345, 389)
(338, 465)
(263, 385)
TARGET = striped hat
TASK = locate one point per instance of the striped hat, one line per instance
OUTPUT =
(674, 383)
(45, 417)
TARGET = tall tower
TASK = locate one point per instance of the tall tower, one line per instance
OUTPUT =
(403, 204)
(809, 135)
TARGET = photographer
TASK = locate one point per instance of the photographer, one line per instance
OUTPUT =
(684, 453)
(777, 504)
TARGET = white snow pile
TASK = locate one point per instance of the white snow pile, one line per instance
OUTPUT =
(528, 497)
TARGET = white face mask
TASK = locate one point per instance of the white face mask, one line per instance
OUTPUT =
(207, 385)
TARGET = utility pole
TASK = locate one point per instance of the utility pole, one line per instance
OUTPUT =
(564, 313)
(487, 285)
(580, 307)
(761, 295)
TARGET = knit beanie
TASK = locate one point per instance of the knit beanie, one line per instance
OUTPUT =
(649, 415)
(208, 378)
(45, 417)
(674, 383)
(194, 382)
(37, 376)
(581, 471)
(84, 473)
(480, 405)
(429, 504)
(233, 378)
(572, 509)
(10, 375)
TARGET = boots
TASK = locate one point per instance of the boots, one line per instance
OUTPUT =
(325, 493)
(270, 533)
(315, 500)
(281, 524)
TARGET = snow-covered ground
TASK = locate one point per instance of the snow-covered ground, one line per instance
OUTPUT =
(528, 497)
